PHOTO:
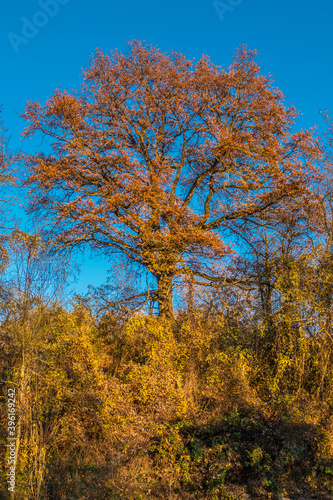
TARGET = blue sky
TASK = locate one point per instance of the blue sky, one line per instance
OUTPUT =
(46, 44)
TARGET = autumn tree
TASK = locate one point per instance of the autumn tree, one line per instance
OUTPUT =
(6, 156)
(7, 160)
(157, 156)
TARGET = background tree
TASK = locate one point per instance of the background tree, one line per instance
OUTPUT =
(157, 156)
(7, 197)
(34, 285)
(6, 159)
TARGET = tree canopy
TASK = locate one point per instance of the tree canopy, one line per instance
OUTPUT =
(157, 155)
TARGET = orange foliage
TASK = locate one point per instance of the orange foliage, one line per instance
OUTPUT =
(156, 154)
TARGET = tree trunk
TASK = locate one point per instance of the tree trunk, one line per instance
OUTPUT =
(164, 297)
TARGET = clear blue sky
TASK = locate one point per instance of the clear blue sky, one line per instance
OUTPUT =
(46, 43)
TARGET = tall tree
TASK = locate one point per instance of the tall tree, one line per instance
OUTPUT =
(7, 160)
(157, 155)
(6, 157)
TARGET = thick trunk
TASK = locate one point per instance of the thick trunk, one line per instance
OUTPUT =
(164, 297)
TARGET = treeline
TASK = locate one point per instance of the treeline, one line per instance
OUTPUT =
(232, 398)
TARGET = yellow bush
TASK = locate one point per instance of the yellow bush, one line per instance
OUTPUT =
(152, 370)
(227, 381)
